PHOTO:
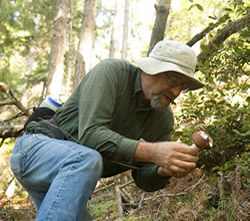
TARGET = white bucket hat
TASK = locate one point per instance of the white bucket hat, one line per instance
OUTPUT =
(169, 55)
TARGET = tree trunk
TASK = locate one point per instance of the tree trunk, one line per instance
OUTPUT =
(223, 34)
(54, 82)
(114, 50)
(85, 45)
(162, 12)
(70, 52)
(31, 64)
(125, 30)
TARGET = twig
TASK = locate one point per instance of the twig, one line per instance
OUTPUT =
(127, 183)
(4, 103)
(14, 101)
(155, 216)
(139, 205)
(20, 114)
(127, 197)
(112, 184)
(196, 184)
(166, 195)
(119, 202)
(183, 192)
(140, 201)
(103, 188)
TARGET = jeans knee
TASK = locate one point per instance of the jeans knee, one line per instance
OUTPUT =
(95, 162)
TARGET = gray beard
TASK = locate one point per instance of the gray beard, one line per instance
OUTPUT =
(157, 103)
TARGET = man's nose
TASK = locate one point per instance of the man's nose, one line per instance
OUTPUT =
(177, 90)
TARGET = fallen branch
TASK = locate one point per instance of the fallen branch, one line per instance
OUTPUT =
(166, 195)
(140, 201)
(139, 204)
(126, 184)
(126, 196)
(119, 202)
(112, 184)
(103, 188)
(196, 184)
(9, 130)
(4, 103)
(181, 193)
(20, 114)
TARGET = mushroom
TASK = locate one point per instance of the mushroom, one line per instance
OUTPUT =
(202, 140)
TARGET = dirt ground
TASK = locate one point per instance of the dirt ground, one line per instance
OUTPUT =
(193, 198)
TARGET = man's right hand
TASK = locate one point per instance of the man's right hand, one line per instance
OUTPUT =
(174, 159)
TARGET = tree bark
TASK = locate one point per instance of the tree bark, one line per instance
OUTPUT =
(125, 30)
(9, 131)
(162, 12)
(58, 49)
(223, 34)
(70, 51)
(85, 41)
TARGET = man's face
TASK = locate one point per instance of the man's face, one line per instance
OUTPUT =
(162, 89)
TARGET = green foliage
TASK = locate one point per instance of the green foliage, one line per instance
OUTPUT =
(103, 209)
(25, 27)
(222, 107)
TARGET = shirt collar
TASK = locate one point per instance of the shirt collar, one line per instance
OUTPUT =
(138, 87)
(138, 92)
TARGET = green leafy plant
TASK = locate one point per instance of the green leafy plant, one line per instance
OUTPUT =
(221, 108)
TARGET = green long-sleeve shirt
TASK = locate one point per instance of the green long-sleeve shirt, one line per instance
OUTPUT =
(105, 113)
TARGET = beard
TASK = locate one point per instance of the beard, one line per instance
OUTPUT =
(159, 103)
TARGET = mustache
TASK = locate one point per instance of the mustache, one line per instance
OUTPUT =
(169, 95)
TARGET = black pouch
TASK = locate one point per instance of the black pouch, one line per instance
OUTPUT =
(40, 113)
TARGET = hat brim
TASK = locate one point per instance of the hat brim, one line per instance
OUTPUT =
(153, 66)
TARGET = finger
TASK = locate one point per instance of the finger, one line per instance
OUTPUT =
(183, 164)
(183, 148)
(179, 172)
(196, 148)
(175, 169)
(186, 157)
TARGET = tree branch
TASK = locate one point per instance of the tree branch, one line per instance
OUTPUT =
(9, 130)
(14, 101)
(208, 29)
(4, 103)
(223, 34)
(119, 202)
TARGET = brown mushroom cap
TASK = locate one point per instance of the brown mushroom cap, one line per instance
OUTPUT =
(202, 140)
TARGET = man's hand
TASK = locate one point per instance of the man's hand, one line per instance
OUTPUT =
(174, 159)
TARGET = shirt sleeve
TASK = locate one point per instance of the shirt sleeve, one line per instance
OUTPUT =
(147, 178)
(98, 96)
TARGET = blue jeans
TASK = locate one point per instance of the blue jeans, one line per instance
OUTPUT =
(59, 175)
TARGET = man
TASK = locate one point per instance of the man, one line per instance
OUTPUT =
(117, 119)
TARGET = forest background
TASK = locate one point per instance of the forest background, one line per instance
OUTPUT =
(46, 47)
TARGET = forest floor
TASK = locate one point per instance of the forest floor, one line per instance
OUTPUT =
(222, 195)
